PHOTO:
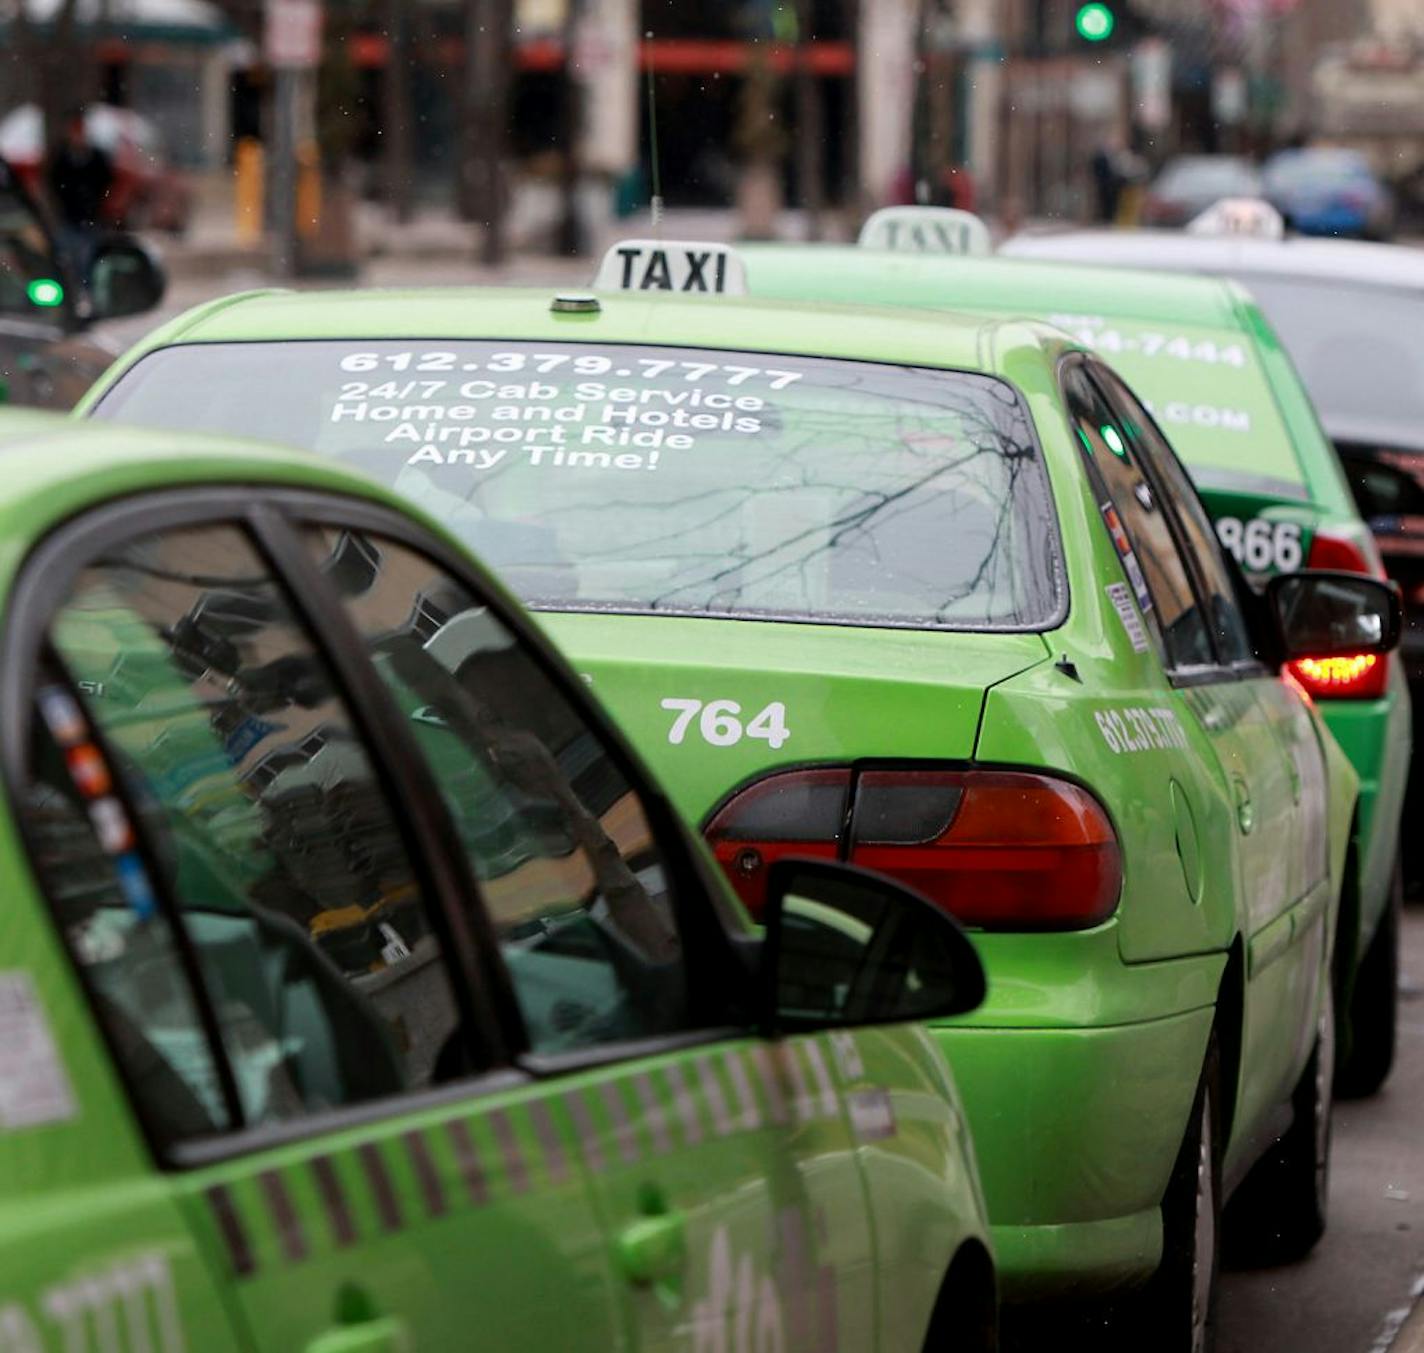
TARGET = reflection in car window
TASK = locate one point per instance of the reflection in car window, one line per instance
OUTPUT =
(272, 833)
(1233, 641)
(1171, 608)
(564, 853)
(743, 484)
(25, 254)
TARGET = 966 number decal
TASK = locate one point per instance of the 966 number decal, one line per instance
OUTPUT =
(1260, 545)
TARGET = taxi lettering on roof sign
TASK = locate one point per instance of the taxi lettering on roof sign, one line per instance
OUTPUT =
(926, 230)
(682, 266)
(1248, 217)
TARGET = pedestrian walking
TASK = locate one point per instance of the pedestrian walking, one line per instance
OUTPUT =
(80, 177)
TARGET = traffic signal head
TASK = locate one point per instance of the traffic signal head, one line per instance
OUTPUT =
(1095, 22)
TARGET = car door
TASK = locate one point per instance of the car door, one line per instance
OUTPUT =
(724, 1166)
(1290, 901)
(277, 961)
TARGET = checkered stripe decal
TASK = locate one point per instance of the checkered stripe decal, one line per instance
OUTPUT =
(280, 1217)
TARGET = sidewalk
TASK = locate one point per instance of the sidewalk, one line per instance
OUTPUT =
(213, 245)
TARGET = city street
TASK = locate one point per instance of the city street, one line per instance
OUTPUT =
(1357, 1288)
(1354, 1292)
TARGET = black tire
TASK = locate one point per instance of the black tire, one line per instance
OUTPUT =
(1374, 1005)
(1176, 1311)
(966, 1313)
(1279, 1211)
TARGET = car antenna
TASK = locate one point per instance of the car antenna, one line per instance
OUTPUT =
(656, 202)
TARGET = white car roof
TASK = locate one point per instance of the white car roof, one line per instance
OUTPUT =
(1368, 264)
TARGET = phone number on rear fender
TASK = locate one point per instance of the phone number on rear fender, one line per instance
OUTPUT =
(575, 363)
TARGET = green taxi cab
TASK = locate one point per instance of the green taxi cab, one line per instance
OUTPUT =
(1214, 376)
(361, 992)
(926, 595)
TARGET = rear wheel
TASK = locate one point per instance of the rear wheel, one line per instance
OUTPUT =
(1278, 1213)
(1374, 1005)
(966, 1315)
(1176, 1311)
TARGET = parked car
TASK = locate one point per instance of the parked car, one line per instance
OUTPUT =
(1328, 191)
(1216, 380)
(1351, 315)
(148, 192)
(48, 356)
(296, 1049)
(928, 595)
(1189, 184)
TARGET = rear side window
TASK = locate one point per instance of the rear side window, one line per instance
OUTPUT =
(1228, 625)
(191, 741)
(1139, 527)
(630, 478)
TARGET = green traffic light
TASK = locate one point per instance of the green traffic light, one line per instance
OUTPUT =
(45, 292)
(1095, 22)
(1114, 440)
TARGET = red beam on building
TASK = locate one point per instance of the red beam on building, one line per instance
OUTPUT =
(668, 56)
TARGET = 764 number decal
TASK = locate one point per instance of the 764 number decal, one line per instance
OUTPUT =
(720, 723)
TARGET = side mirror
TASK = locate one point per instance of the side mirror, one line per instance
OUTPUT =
(847, 947)
(1322, 614)
(125, 278)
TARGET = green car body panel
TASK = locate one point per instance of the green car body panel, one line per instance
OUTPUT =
(364, 1234)
(1204, 358)
(1080, 1069)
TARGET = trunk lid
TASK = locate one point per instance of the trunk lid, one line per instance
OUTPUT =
(845, 693)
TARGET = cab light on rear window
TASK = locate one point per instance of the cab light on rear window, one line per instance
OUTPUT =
(1002, 850)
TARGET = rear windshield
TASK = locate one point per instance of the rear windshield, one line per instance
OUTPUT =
(1360, 351)
(630, 478)
(1207, 389)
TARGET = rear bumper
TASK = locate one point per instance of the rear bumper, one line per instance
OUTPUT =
(1076, 1131)
(1376, 735)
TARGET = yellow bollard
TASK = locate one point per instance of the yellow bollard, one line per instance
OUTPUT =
(247, 175)
(308, 191)
(1129, 204)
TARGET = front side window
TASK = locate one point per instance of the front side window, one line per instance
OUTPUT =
(573, 881)
(670, 480)
(191, 743)
(1139, 526)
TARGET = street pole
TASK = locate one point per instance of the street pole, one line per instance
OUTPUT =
(283, 171)
(487, 58)
(810, 126)
(398, 160)
(292, 47)
(570, 242)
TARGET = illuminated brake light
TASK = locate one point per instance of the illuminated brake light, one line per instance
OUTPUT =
(1358, 676)
(1004, 850)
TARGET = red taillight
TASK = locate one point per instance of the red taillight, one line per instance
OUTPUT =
(1005, 850)
(799, 812)
(1356, 676)
(1332, 551)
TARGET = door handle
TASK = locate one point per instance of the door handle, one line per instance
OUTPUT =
(389, 1334)
(653, 1248)
(1245, 809)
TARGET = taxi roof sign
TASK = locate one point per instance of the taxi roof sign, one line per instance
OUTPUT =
(926, 230)
(686, 267)
(1245, 217)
